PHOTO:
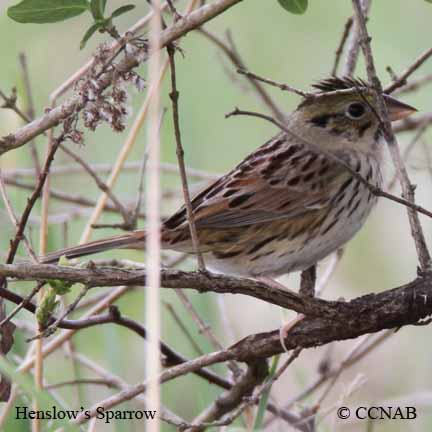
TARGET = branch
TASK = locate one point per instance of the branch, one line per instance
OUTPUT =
(73, 104)
(327, 321)
(410, 124)
(333, 157)
(174, 96)
(407, 188)
(232, 53)
(368, 314)
(353, 48)
(280, 86)
(32, 201)
(392, 303)
(127, 219)
(414, 85)
(107, 276)
(66, 197)
(232, 398)
(402, 80)
(340, 48)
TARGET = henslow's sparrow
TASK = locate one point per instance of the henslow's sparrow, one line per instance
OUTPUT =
(287, 205)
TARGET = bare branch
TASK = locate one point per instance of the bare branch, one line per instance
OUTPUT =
(414, 85)
(280, 86)
(372, 188)
(353, 48)
(174, 95)
(233, 55)
(340, 48)
(402, 79)
(414, 123)
(232, 398)
(407, 188)
(127, 219)
(73, 104)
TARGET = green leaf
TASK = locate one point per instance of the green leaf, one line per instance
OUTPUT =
(264, 398)
(297, 7)
(60, 287)
(46, 308)
(63, 261)
(122, 10)
(46, 11)
(97, 8)
(89, 34)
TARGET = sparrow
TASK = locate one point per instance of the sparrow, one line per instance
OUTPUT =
(287, 205)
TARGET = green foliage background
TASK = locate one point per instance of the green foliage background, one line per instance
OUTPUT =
(289, 48)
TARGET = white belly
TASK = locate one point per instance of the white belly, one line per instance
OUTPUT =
(349, 214)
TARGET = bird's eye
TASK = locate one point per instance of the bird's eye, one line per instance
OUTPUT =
(355, 110)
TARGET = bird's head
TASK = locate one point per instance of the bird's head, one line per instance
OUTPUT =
(347, 118)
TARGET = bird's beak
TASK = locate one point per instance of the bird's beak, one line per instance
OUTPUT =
(398, 110)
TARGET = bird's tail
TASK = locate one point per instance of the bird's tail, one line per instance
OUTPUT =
(132, 240)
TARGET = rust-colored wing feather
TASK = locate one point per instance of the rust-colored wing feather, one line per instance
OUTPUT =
(281, 180)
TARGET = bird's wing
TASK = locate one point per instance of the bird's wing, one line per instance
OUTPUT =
(281, 180)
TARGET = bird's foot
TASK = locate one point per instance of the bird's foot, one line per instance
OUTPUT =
(287, 327)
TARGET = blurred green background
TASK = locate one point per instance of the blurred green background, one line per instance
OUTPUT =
(297, 50)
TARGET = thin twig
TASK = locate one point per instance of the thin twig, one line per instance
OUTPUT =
(232, 398)
(232, 53)
(354, 45)
(183, 328)
(402, 79)
(203, 327)
(352, 358)
(353, 351)
(410, 124)
(127, 219)
(14, 218)
(77, 382)
(71, 106)
(30, 108)
(228, 419)
(280, 86)
(53, 327)
(353, 48)
(372, 188)
(124, 152)
(23, 304)
(102, 168)
(174, 95)
(340, 48)
(10, 103)
(331, 267)
(116, 382)
(174, 11)
(32, 201)
(66, 197)
(408, 151)
(407, 188)
(140, 192)
(57, 342)
(115, 45)
(414, 85)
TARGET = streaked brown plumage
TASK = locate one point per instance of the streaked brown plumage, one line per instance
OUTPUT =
(287, 205)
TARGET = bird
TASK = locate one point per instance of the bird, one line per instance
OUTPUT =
(292, 201)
